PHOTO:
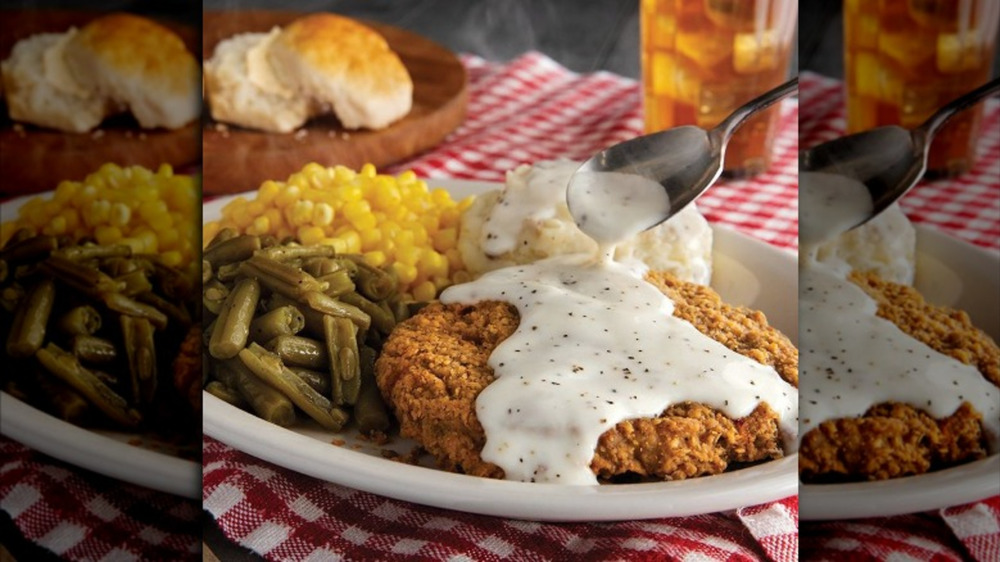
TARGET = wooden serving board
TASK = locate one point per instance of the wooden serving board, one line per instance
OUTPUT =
(34, 159)
(237, 159)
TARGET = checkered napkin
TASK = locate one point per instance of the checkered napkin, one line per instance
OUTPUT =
(967, 207)
(523, 111)
(80, 515)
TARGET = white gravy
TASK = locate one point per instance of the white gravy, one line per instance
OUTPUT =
(611, 207)
(597, 345)
(850, 358)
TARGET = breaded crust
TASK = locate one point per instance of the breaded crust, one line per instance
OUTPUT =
(892, 439)
(434, 365)
(943, 329)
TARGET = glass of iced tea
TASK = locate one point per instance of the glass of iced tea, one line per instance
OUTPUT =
(906, 58)
(701, 59)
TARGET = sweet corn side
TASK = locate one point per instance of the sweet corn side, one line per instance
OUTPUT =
(396, 222)
(151, 211)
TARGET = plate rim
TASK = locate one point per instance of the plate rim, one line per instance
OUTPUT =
(94, 451)
(911, 494)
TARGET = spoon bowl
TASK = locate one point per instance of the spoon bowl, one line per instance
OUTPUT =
(888, 160)
(681, 162)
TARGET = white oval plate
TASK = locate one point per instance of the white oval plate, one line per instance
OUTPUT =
(748, 272)
(131, 457)
(951, 273)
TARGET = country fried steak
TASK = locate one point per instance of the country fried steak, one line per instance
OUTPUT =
(434, 365)
(893, 439)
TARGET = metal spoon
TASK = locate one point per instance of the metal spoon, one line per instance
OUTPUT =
(888, 160)
(684, 161)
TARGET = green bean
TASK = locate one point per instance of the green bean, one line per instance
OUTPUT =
(135, 282)
(281, 277)
(268, 240)
(80, 320)
(381, 319)
(226, 394)
(320, 382)
(27, 333)
(300, 351)
(207, 274)
(370, 412)
(66, 367)
(233, 250)
(400, 310)
(289, 252)
(93, 251)
(11, 296)
(140, 347)
(227, 233)
(232, 327)
(329, 305)
(174, 283)
(339, 282)
(20, 235)
(116, 267)
(93, 349)
(269, 368)
(28, 249)
(175, 312)
(66, 402)
(131, 307)
(282, 321)
(214, 294)
(268, 403)
(86, 279)
(371, 281)
(342, 350)
(228, 272)
(313, 318)
(321, 266)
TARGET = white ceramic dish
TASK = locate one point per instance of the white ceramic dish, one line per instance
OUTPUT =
(128, 457)
(951, 273)
(135, 458)
(763, 277)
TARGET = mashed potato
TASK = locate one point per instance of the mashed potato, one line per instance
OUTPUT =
(885, 245)
(528, 220)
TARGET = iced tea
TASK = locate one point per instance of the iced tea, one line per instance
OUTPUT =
(906, 58)
(701, 59)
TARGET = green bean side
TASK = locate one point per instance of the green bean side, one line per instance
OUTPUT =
(314, 328)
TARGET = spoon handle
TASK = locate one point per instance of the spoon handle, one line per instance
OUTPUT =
(765, 100)
(941, 116)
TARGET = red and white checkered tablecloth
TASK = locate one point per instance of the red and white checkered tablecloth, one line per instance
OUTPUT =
(81, 515)
(967, 207)
(527, 110)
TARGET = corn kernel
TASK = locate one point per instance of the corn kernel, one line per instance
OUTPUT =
(445, 239)
(375, 257)
(323, 214)
(425, 291)
(408, 254)
(405, 273)
(107, 235)
(310, 235)
(394, 222)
